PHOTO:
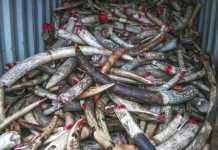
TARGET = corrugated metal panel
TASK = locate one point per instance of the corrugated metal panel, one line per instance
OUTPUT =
(21, 21)
(207, 21)
(21, 28)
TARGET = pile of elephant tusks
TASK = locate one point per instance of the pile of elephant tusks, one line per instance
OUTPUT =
(118, 75)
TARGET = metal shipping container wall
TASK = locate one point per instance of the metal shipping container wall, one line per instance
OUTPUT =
(207, 21)
(21, 27)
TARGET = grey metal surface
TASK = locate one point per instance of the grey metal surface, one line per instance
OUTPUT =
(21, 27)
(207, 21)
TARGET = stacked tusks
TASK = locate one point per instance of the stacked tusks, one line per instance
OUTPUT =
(134, 107)
(98, 134)
(138, 95)
(132, 128)
(209, 122)
(39, 140)
(170, 130)
(5, 123)
(111, 40)
(164, 139)
(182, 138)
(73, 141)
(59, 143)
(9, 78)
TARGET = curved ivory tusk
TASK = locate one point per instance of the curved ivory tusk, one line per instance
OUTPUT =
(19, 114)
(137, 94)
(9, 78)
(48, 130)
(183, 137)
(62, 72)
(170, 130)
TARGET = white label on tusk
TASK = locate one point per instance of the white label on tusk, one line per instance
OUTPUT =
(122, 20)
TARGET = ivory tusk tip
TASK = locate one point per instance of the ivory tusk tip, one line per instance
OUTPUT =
(95, 99)
(193, 122)
(42, 100)
(48, 86)
(110, 85)
(121, 106)
(81, 121)
(159, 117)
(152, 84)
